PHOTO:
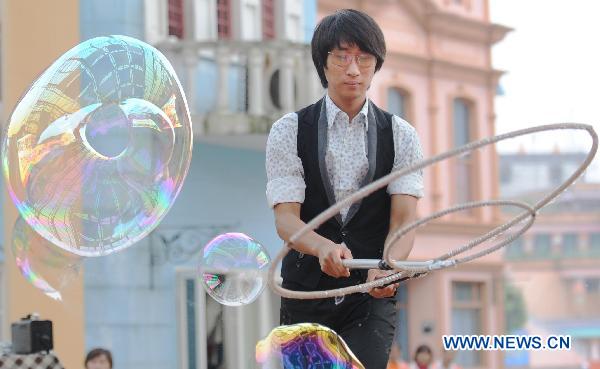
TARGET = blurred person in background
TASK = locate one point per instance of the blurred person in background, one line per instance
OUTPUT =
(396, 361)
(99, 358)
(423, 358)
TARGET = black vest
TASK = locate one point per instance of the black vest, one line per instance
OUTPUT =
(367, 223)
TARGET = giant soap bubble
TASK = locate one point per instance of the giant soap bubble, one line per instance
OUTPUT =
(47, 267)
(306, 346)
(97, 149)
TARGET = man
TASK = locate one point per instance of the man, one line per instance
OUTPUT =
(325, 152)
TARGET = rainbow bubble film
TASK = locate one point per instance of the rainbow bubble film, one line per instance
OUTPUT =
(233, 269)
(48, 268)
(98, 147)
(305, 346)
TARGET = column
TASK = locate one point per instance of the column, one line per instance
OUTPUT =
(314, 88)
(190, 63)
(286, 81)
(256, 90)
(242, 359)
(265, 311)
(222, 59)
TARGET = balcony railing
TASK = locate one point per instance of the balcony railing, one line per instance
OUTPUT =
(270, 78)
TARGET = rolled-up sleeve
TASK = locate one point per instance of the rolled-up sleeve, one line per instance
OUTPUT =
(285, 174)
(407, 152)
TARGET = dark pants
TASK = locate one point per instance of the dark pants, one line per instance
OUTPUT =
(365, 323)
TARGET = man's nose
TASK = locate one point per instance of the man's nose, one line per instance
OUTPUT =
(353, 69)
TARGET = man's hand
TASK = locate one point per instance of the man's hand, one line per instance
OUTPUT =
(330, 257)
(381, 292)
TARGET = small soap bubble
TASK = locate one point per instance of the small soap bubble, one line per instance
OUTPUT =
(233, 269)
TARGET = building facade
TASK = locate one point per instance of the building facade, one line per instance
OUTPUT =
(555, 265)
(523, 172)
(243, 64)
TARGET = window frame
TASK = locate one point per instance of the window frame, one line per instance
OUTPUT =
(593, 249)
(488, 297)
(407, 102)
(267, 18)
(182, 276)
(156, 21)
(574, 250)
(175, 9)
(473, 161)
(403, 290)
(224, 14)
(535, 252)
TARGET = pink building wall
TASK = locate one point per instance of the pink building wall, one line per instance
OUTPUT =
(438, 51)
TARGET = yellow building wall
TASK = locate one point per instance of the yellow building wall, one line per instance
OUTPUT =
(34, 34)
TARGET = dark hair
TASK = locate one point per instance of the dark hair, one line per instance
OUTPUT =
(349, 26)
(422, 348)
(97, 352)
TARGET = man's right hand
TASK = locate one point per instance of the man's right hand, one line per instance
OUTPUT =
(330, 257)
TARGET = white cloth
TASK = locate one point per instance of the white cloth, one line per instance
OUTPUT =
(345, 158)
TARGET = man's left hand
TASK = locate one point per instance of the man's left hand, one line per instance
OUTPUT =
(381, 292)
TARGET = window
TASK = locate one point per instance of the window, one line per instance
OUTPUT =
(190, 306)
(569, 245)
(215, 334)
(268, 19)
(515, 249)
(224, 19)
(295, 27)
(396, 102)
(251, 21)
(200, 321)
(594, 244)
(274, 89)
(556, 174)
(156, 21)
(541, 245)
(461, 3)
(467, 318)
(461, 135)
(592, 285)
(292, 20)
(505, 173)
(176, 18)
(402, 320)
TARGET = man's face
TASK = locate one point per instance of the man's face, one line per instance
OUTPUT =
(99, 362)
(349, 72)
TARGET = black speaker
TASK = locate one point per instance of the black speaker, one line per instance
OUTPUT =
(31, 335)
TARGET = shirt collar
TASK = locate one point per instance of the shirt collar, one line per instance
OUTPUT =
(333, 111)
